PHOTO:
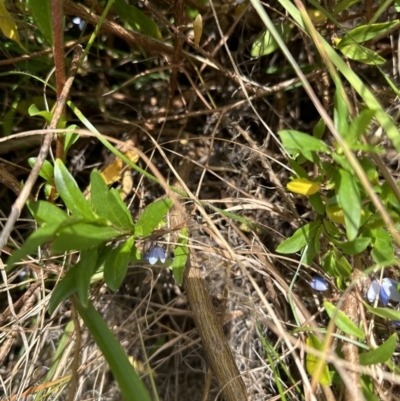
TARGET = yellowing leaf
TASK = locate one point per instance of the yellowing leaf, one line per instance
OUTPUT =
(8, 26)
(335, 214)
(316, 366)
(303, 186)
(316, 16)
(197, 29)
(113, 172)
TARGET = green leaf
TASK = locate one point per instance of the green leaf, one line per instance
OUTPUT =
(349, 200)
(354, 247)
(342, 321)
(82, 235)
(343, 5)
(46, 212)
(319, 129)
(70, 137)
(152, 217)
(362, 54)
(116, 264)
(364, 33)
(381, 354)
(41, 14)
(137, 19)
(385, 313)
(315, 364)
(303, 236)
(8, 26)
(70, 192)
(108, 204)
(295, 141)
(340, 113)
(87, 266)
(382, 247)
(358, 126)
(36, 239)
(317, 204)
(34, 111)
(47, 170)
(131, 386)
(181, 254)
(266, 44)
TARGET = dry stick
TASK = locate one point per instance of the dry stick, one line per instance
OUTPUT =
(58, 52)
(26, 190)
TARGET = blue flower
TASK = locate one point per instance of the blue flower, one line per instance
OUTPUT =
(319, 284)
(387, 291)
(154, 255)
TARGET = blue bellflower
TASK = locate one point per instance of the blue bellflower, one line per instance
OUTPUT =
(154, 255)
(319, 284)
(387, 291)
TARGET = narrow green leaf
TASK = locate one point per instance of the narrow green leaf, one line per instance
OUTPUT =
(358, 126)
(381, 354)
(129, 382)
(364, 33)
(181, 254)
(316, 365)
(47, 170)
(46, 212)
(152, 217)
(87, 266)
(350, 202)
(265, 44)
(386, 313)
(31, 244)
(344, 5)
(82, 235)
(70, 193)
(317, 204)
(342, 321)
(70, 137)
(303, 236)
(108, 203)
(137, 19)
(116, 264)
(340, 113)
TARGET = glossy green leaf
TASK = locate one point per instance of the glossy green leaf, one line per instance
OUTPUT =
(47, 170)
(34, 111)
(46, 212)
(303, 236)
(342, 321)
(108, 203)
(31, 244)
(70, 192)
(181, 254)
(382, 247)
(137, 19)
(265, 43)
(295, 141)
(116, 264)
(362, 54)
(131, 386)
(364, 33)
(152, 217)
(349, 201)
(82, 235)
(381, 354)
(315, 365)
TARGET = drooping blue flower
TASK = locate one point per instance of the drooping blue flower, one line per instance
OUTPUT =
(387, 291)
(154, 255)
(319, 284)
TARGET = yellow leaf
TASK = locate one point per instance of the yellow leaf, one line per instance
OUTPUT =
(197, 29)
(316, 366)
(335, 214)
(113, 172)
(8, 26)
(303, 186)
